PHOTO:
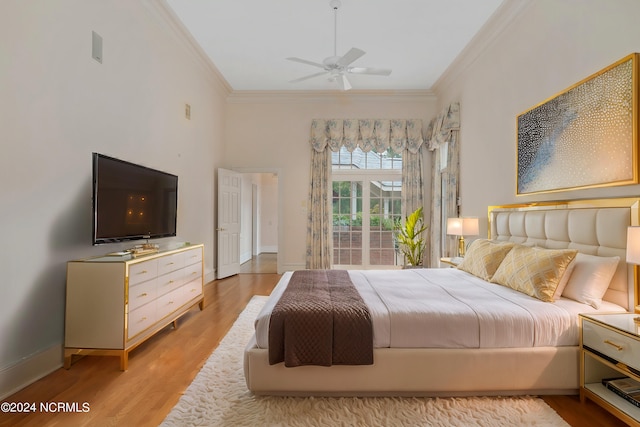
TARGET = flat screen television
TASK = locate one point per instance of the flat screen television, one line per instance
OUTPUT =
(132, 202)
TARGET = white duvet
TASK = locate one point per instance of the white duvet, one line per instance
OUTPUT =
(449, 308)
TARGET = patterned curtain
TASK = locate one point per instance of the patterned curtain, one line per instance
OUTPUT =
(442, 139)
(403, 136)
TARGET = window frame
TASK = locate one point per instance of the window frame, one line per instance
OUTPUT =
(365, 177)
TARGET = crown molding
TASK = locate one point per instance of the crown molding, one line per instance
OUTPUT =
(297, 96)
(168, 19)
(502, 19)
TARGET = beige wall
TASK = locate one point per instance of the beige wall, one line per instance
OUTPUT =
(272, 131)
(548, 47)
(57, 106)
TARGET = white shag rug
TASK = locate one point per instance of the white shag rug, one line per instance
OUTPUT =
(218, 396)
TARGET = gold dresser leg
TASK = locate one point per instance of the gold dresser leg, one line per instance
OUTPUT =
(124, 360)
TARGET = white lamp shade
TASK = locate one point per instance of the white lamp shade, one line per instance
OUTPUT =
(462, 226)
(454, 226)
(633, 245)
(470, 227)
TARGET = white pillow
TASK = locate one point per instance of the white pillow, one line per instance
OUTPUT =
(590, 278)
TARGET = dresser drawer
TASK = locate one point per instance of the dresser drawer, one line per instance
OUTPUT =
(143, 271)
(170, 281)
(170, 263)
(169, 303)
(192, 289)
(193, 256)
(141, 318)
(620, 347)
(192, 272)
(142, 293)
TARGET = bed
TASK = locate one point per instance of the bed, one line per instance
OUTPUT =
(536, 352)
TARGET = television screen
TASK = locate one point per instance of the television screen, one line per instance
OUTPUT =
(132, 202)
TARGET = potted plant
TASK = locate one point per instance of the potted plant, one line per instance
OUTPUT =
(409, 237)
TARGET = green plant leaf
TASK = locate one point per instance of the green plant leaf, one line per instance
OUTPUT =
(410, 242)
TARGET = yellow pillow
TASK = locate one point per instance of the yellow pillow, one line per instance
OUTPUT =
(484, 256)
(534, 271)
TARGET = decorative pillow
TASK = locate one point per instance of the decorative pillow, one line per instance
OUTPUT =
(535, 272)
(590, 278)
(484, 256)
(565, 279)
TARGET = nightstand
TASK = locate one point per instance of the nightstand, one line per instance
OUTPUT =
(609, 348)
(450, 262)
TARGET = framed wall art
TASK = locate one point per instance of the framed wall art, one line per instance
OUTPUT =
(583, 137)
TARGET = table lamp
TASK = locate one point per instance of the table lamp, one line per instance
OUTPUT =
(633, 245)
(462, 227)
(633, 253)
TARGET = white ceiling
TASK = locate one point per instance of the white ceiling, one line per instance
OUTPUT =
(248, 40)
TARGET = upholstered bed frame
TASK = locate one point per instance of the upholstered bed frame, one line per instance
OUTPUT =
(595, 227)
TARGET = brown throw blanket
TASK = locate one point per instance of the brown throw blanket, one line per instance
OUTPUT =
(320, 319)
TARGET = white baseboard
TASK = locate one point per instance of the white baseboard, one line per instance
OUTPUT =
(29, 370)
(269, 249)
(210, 276)
(245, 257)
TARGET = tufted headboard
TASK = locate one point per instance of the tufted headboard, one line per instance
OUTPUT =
(594, 227)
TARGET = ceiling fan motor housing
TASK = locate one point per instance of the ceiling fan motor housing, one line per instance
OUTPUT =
(331, 63)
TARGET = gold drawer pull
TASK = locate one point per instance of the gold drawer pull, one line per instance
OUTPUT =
(616, 346)
(170, 281)
(170, 263)
(143, 272)
(143, 319)
(144, 294)
(170, 302)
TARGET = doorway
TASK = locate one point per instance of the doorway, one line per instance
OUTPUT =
(260, 223)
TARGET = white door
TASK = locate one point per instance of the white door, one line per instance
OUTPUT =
(228, 229)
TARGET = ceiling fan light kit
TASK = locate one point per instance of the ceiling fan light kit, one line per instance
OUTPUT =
(337, 67)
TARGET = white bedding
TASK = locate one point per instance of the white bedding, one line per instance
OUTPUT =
(449, 308)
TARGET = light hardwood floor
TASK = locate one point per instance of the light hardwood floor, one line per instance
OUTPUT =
(162, 368)
(262, 263)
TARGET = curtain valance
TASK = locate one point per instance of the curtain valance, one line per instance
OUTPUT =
(441, 128)
(368, 134)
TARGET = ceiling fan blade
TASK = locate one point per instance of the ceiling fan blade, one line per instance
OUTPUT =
(353, 54)
(369, 70)
(304, 61)
(308, 77)
(343, 82)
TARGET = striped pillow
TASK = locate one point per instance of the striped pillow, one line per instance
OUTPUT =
(484, 256)
(534, 271)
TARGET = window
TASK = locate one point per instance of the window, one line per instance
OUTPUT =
(367, 190)
(359, 160)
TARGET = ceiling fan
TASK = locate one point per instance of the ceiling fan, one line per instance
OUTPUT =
(337, 67)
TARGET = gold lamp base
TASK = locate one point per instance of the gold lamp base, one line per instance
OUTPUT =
(461, 246)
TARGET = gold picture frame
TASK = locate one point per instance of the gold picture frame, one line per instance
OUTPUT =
(586, 136)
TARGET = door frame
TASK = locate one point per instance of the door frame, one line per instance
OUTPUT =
(279, 172)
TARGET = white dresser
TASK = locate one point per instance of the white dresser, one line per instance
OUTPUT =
(114, 303)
